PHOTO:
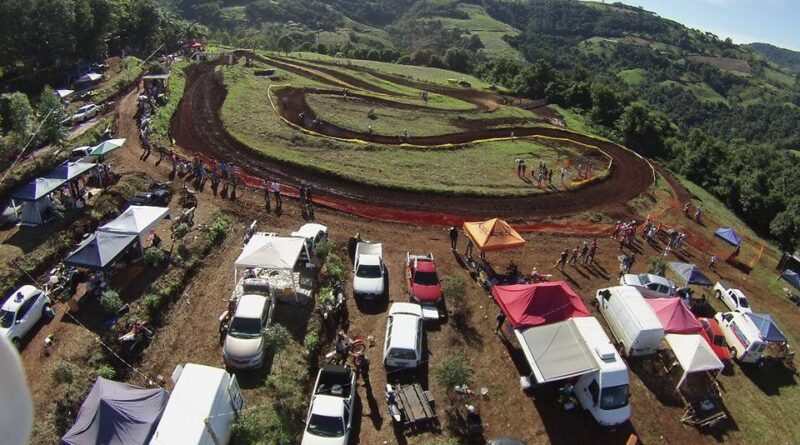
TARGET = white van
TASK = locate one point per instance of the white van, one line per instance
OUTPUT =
(742, 335)
(632, 321)
(402, 347)
(201, 408)
(605, 391)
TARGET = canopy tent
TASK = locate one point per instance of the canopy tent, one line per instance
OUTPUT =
(770, 332)
(694, 354)
(270, 252)
(35, 201)
(100, 250)
(690, 273)
(106, 147)
(136, 220)
(556, 351)
(70, 170)
(494, 234)
(728, 235)
(674, 315)
(62, 94)
(792, 277)
(89, 78)
(528, 305)
(116, 413)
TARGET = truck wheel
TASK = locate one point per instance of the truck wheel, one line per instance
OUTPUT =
(17, 344)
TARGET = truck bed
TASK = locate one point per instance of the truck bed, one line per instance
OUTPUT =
(369, 249)
(334, 380)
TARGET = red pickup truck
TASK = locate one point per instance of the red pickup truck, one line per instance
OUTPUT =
(423, 281)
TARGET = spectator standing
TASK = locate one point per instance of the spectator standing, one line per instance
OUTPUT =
(562, 261)
(453, 238)
(470, 245)
(266, 196)
(501, 318)
(574, 257)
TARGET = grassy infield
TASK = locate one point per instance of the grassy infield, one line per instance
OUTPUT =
(485, 168)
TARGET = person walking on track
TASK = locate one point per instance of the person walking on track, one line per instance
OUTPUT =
(562, 261)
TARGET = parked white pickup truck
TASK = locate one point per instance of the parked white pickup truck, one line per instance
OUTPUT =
(732, 297)
(370, 271)
(330, 416)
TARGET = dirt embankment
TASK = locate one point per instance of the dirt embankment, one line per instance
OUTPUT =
(197, 126)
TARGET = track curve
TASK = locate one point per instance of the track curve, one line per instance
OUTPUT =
(197, 126)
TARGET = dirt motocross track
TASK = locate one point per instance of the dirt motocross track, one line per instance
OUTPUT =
(197, 126)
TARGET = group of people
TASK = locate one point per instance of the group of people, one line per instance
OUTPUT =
(580, 254)
(544, 175)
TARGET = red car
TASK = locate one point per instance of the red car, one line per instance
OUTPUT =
(713, 335)
(423, 281)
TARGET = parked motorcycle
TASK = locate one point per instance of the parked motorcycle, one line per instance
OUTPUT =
(334, 308)
(345, 347)
(138, 335)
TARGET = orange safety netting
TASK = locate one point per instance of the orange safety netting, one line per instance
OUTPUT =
(494, 234)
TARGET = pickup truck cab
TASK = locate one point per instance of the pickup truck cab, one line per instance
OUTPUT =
(330, 414)
(402, 347)
(370, 272)
(742, 335)
(732, 297)
(651, 286)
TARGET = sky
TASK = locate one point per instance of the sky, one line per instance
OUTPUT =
(744, 21)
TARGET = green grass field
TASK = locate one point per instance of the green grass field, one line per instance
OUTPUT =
(633, 77)
(700, 90)
(490, 31)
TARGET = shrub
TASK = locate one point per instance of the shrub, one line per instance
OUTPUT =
(454, 289)
(324, 248)
(107, 372)
(64, 372)
(262, 426)
(288, 384)
(454, 371)
(325, 295)
(219, 228)
(170, 285)
(335, 267)
(278, 337)
(657, 265)
(152, 303)
(110, 301)
(154, 257)
(311, 341)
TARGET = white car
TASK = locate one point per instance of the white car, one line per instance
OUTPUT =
(370, 272)
(404, 330)
(85, 113)
(732, 297)
(20, 313)
(330, 415)
(651, 286)
(244, 342)
(313, 234)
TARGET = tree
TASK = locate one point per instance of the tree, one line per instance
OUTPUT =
(606, 104)
(458, 59)
(17, 115)
(474, 43)
(53, 112)
(644, 129)
(286, 43)
(532, 81)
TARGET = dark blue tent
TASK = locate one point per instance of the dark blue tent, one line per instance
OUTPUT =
(690, 273)
(728, 235)
(116, 413)
(769, 330)
(792, 277)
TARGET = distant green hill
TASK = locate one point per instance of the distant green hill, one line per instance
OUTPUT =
(785, 58)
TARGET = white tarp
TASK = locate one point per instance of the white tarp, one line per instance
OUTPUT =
(136, 220)
(89, 77)
(693, 353)
(556, 351)
(271, 252)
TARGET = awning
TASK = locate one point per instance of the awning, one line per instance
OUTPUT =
(37, 189)
(528, 305)
(792, 277)
(100, 250)
(769, 330)
(728, 235)
(494, 234)
(64, 93)
(136, 220)
(556, 351)
(106, 147)
(116, 413)
(89, 77)
(271, 252)
(693, 353)
(690, 273)
(674, 315)
(70, 170)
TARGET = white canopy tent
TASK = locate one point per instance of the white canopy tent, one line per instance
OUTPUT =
(136, 220)
(694, 354)
(269, 252)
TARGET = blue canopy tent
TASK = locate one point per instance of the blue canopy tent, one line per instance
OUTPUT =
(728, 235)
(116, 413)
(690, 273)
(792, 277)
(770, 332)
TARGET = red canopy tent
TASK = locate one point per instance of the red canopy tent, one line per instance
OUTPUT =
(674, 316)
(528, 305)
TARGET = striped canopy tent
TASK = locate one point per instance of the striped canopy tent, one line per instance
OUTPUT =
(494, 234)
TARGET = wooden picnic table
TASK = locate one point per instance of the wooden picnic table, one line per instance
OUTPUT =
(415, 403)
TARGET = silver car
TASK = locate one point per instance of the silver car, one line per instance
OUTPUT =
(244, 343)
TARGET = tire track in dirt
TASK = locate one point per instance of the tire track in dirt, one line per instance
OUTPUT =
(197, 126)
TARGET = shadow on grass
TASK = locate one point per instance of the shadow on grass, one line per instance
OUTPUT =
(770, 378)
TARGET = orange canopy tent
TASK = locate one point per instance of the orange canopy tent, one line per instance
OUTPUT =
(492, 235)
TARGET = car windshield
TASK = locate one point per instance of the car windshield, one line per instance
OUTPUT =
(6, 319)
(426, 278)
(402, 354)
(245, 327)
(614, 397)
(743, 302)
(644, 279)
(719, 341)
(369, 271)
(326, 426)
